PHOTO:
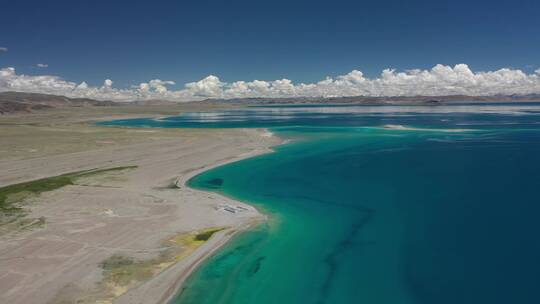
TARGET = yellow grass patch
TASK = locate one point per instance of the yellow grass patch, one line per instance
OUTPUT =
(122, 273)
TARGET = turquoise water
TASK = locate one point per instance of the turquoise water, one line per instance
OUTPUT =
(379, 205)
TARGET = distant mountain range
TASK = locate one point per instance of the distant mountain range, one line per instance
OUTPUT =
(367, 100)
(27, 102)
(11, 102)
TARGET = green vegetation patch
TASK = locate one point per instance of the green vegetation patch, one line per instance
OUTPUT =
(122, 271)
(16, 193)
(207, 234)
(116, 261)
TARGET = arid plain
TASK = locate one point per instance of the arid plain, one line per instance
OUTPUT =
(121, 231)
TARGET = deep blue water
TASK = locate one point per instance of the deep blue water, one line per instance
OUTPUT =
(391, 204)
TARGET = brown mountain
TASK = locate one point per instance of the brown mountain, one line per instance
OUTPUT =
(378, 100)
(11, 102)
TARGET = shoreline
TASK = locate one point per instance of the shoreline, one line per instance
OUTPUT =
(223, 237)
(220, 240)
(133, 214)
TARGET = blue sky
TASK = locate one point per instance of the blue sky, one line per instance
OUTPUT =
(133, 41)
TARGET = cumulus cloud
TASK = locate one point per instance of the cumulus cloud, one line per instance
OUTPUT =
(157, 85)
(210, 86)
(437, 81)
(42, 65)
(3, 49)
(107, 83)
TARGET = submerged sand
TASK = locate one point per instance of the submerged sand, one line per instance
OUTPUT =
(135, 214)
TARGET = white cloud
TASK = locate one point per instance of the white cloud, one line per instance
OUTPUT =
(3, 49)
(157, 85)
(439, 80)
(210, 86)
(42, 65)
(107, 83)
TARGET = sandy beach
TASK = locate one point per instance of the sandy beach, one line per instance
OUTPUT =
(127, 236)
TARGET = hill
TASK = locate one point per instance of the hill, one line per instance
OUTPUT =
(11, 102)
(378, 100)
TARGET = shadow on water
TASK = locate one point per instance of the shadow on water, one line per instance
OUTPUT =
(332, 259)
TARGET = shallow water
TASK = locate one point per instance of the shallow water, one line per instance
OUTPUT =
(379, 205)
